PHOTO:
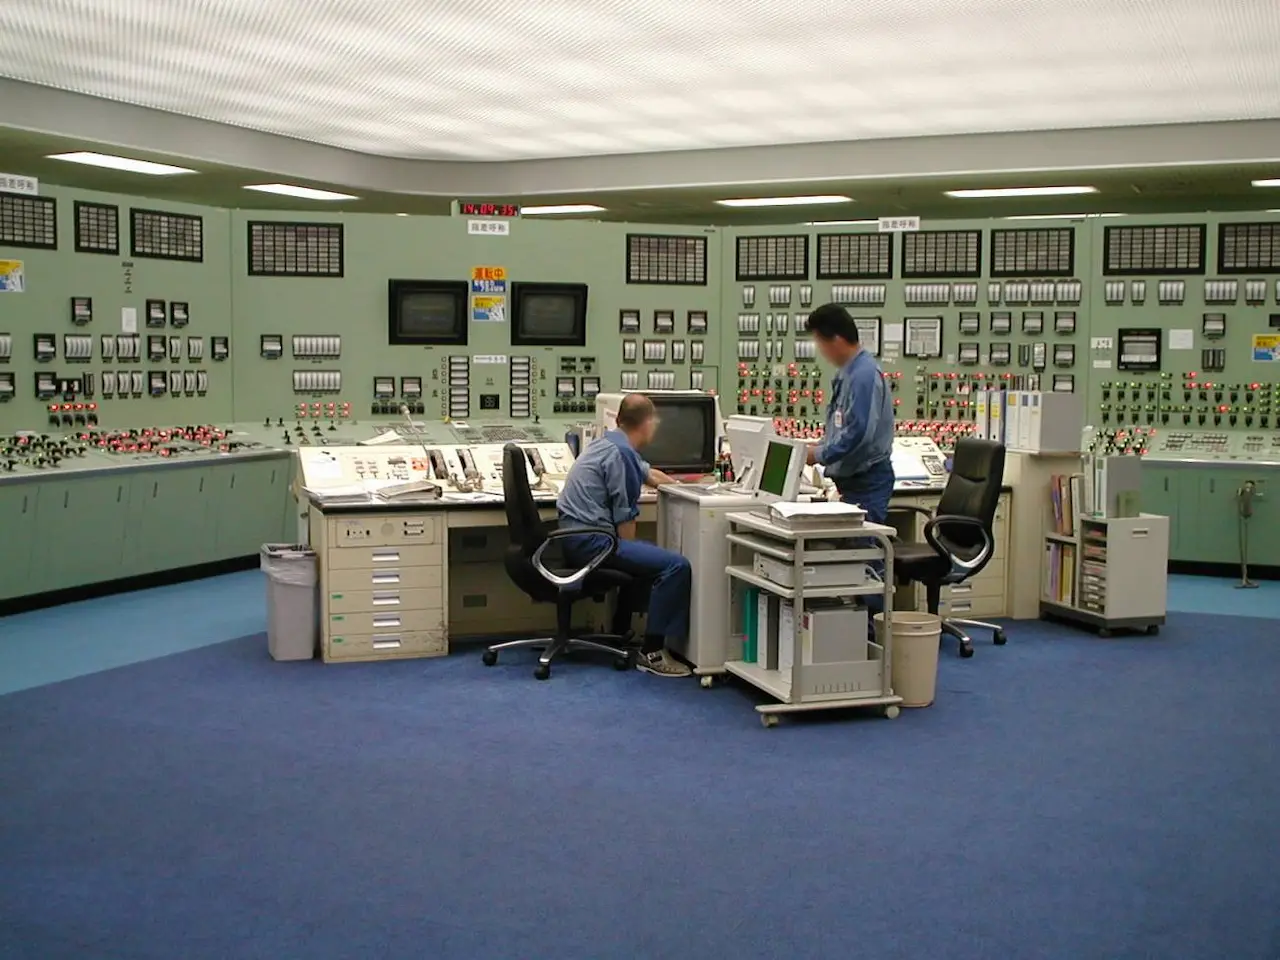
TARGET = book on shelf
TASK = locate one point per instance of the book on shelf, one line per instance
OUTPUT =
(1060, 573)
(1067, 500)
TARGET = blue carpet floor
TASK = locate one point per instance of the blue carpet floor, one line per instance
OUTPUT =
(1067, 797)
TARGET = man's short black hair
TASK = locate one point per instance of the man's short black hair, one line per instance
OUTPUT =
(832, 320)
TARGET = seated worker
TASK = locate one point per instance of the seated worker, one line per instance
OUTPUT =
(603, 490)
(856, 451)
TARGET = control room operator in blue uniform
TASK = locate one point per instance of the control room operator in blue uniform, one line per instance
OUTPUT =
(603, 490)
(856, 451)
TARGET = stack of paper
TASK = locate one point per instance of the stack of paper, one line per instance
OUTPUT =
(818, 511)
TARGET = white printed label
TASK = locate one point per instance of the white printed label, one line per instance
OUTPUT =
(489, 228)
(15, 183)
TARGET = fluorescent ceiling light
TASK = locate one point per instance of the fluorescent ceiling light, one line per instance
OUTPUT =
(1018, 192)
(303, 193)
(1061, 216)
(841, 223)
(561, 208)
(401, 214)
(1273, 182)
(127, 164)
(783, 201)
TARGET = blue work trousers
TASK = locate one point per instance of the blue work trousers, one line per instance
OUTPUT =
(871, 491)
(665, 575)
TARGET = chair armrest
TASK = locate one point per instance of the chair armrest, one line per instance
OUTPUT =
(576, 578)
(960, 567)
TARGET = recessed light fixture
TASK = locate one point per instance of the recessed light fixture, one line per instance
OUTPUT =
(1273, 182)
(986, 194)
(125, 164)
(1061, 216)
(302, 193)
(548, 209)
(841, 223)
(784, 201)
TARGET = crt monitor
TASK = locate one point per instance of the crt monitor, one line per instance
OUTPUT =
(747, 437)
(687, 440)
(779, 475)
(549, 314)
(428, 312)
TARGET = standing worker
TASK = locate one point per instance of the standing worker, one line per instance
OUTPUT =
(857, 444)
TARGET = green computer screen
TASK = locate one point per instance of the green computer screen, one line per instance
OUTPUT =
(773, 476)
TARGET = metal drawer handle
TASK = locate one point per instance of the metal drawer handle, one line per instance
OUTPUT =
(386, 641)
(385, 577)
(386, 621)
(386, 599)
(386, 556)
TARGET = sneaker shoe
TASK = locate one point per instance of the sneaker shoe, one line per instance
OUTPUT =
(661, 664)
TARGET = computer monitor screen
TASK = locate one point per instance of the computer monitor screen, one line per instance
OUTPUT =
(549, 314)
(747, 437)
(686, 440)
(776, 470)
(427, 312)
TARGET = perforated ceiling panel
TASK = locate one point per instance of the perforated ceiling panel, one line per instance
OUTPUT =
(504, 79)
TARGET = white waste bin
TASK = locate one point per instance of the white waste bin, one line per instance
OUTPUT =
(293, 615)
(915, 655)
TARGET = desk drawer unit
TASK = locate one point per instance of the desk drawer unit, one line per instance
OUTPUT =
(386, 621)
(979, 607)
(388, 645)
(383, 601)
(384, 578)
(373, 558)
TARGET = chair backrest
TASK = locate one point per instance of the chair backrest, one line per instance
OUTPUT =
(524, 526)
(973, 489)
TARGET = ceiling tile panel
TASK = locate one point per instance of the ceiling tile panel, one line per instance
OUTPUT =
(499, 79)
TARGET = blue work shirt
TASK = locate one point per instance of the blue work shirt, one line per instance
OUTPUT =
(859, 432)
(603, 485)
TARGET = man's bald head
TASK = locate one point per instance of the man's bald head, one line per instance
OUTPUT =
(635, 411)
(637, 418)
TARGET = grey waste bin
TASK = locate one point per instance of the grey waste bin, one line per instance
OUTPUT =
(292, 600)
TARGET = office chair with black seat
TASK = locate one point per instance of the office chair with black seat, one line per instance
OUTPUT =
(958, 535)
(526, 564)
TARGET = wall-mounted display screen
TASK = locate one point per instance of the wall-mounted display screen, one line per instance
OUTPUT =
(427, 312)
(549, 314)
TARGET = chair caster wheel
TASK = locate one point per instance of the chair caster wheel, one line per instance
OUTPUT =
(768, 720)
(999, 638)
(966, 651)
(707, 682)
(489, 658)
(622, 663)
(891, 712)
(542, 671)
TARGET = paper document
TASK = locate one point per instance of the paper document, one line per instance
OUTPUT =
(834, 510)
(389, 437)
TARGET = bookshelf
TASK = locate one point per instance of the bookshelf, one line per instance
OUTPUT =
(1109, 573)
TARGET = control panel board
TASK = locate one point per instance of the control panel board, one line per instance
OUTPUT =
(456, 468)
(133, 313)
(1214, 446)
(949, 311)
